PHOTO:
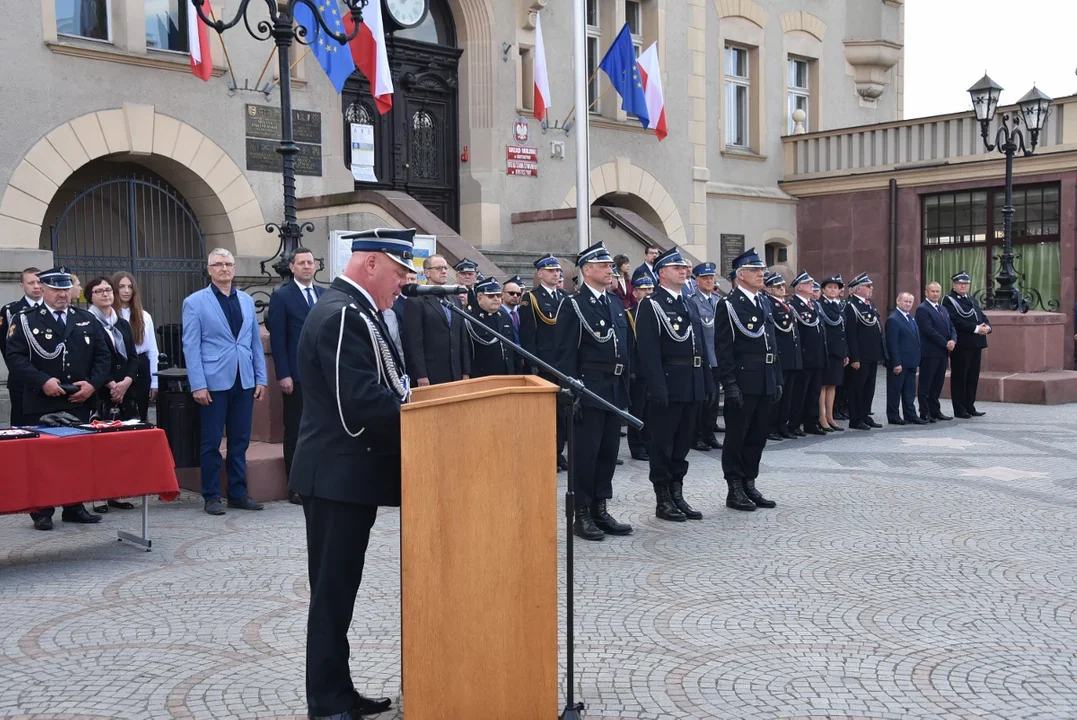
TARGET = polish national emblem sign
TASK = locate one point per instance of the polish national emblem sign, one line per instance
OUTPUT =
(520, 131)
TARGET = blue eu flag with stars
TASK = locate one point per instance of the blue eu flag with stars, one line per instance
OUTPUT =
(619, 64)
(335, 59)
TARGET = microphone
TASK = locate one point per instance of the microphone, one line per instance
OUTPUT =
(414, 290)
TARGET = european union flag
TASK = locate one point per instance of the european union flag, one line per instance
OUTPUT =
(335, 59)
(619, 64)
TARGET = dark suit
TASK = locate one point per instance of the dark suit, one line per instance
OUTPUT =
(603, 366)
(804, 407)
(490, 356)
(347, 463)
(435, 346)
(120, 367)
(902, 349)
(288, 310)
(966, 315)
(864, 333)
(936, 329)
(787, 336)
(8, 315)
(538, 323)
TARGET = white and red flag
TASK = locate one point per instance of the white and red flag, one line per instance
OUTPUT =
(368, 52)
(198, 43)
(542, 77)
(651, 75)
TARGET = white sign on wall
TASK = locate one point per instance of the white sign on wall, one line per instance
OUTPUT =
(363, 153)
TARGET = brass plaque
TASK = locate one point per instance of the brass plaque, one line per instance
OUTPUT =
(731, 247)
(263, 121)
(262, 156)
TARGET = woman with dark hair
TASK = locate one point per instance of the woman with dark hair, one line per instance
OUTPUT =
(128, 303)
(622, 281)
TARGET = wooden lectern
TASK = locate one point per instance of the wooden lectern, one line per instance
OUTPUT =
(478, 546)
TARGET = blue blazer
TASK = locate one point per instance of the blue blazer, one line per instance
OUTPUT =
(935, 330)
(213, 356)
(902, 342)
(288, 309)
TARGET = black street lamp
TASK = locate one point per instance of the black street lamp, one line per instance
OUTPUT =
(281, 27)
(1033, 110)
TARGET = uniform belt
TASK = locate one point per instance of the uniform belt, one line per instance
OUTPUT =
(611, 368)
(696, 361)
(768, 358)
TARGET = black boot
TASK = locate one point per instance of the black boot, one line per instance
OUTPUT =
(606, 522)
(757, 497)
(675, 489)
(665, 509)
(584, 526)
(736, 499)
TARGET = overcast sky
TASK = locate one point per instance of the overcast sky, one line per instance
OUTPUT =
(949, 44)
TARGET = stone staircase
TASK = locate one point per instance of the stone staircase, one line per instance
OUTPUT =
(514, 262)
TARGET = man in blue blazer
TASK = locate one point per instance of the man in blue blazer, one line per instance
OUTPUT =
(938, 339)
(903, 349)
(226, 367)
(288, 308)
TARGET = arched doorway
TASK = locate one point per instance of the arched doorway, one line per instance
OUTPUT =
(112, 216)
(415, 143)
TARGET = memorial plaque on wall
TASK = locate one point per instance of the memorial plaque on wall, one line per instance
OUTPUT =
(262, 156)
(731, 247)
(263, 121)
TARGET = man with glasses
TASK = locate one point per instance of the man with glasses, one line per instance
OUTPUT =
(434, 338)
(538, 322)
(226, 367)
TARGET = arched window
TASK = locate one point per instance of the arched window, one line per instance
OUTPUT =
(437, 28)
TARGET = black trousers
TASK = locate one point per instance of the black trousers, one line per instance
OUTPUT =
(596, 438)
(804, 408)
(707, 422)
(638, 439)
(780, 411)
(672, 430)
(561, 434)
(745, 437)
(293, 412)
(932, 377)
(860, 384)
(15, 390)
(140, 389)
(964, 379)
(901, 389)
(84, 415)
(337, 537)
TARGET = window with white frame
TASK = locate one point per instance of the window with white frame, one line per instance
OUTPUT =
(634, 18)
(166, 25)
(737, 88)
(91, 19)
(799, 83)
(594, 37)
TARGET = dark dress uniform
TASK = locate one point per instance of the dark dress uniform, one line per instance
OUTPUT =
(347, 463)
(787, 337)
(593, 345)
(490, 356)
(837, 347)
(864, 332)
(538, 321)
(804, 408)
(8, 316)
(471, 303)
(638, 439)
(673, 365)
(966, 315)
(121, 365)
(704, 308)
(748, 365)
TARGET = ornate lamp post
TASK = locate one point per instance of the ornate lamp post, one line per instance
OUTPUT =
(281, 27)
(1033, 111)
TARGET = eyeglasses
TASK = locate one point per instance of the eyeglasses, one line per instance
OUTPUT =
(437, 267)
(102, 291)
(219, 265)
(512, 293)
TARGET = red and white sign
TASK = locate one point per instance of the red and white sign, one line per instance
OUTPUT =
(521, 161)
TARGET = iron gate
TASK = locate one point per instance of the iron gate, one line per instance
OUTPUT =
(141, 224)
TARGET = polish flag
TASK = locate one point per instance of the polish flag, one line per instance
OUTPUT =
(542, 78)
(368, 52)
(652, 90)
(198, 42)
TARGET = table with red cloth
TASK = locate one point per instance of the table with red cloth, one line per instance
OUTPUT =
(48, 471)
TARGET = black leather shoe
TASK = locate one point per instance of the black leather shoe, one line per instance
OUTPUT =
(606, 522)
(715, 443)
(562, 463)
(43, 523)
(916, 421)
(80, 515)
(895, 421)
(929, 419)
(121, 505)
(244, 503)
(837, 428)
(800, 433)
(816, 430)
(784, 432)
(775, 437)
(371, 706)
(940, 416)
(294, 499)
(757, 497)
(736, 499)
(664, 507)
(859, 426)
(701, 446)
(871, 423)
(962, 415)
(214, 507)
(584, 526)
(976, 413)
(641, 455)
(675, 492)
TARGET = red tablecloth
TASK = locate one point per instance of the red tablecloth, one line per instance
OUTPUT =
(48, 471)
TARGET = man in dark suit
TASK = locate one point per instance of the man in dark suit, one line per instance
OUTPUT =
(347, 462)
(864, 334)
(972, 331)
(804, 407)
(649, 256)
(903, 358)
(538, 323)
(288, 309)
(938, 337)
(435, 341)
(31, 298)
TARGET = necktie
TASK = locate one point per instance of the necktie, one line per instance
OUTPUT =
(515, 318)
(61, 317)
(448, 315)
(310, 297)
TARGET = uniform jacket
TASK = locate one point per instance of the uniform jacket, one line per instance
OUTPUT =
(288, 308)
(812, 333)
(8, 314)
(650, 273)
(902, 342)
(490, 356)
(538, 318)
(86, 357)
(864, 332)
(435, 347)
(214, 356)
(329, 463)
(787, 335)
(836, 344)
(603, 366)
(746, 346)
(936, 329)
(966, 314)
(672, 369)
(704, 309)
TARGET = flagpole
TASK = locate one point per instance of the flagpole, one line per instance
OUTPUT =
(583, 160)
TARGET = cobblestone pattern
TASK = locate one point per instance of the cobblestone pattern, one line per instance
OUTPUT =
(907, 573)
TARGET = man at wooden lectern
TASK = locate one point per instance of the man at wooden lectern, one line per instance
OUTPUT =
(347, 461)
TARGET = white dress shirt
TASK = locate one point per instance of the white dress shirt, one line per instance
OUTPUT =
(148, 344)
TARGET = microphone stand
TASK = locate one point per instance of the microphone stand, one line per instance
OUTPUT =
(567, 400)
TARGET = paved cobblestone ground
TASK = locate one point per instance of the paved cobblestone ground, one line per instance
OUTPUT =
(907, 573)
